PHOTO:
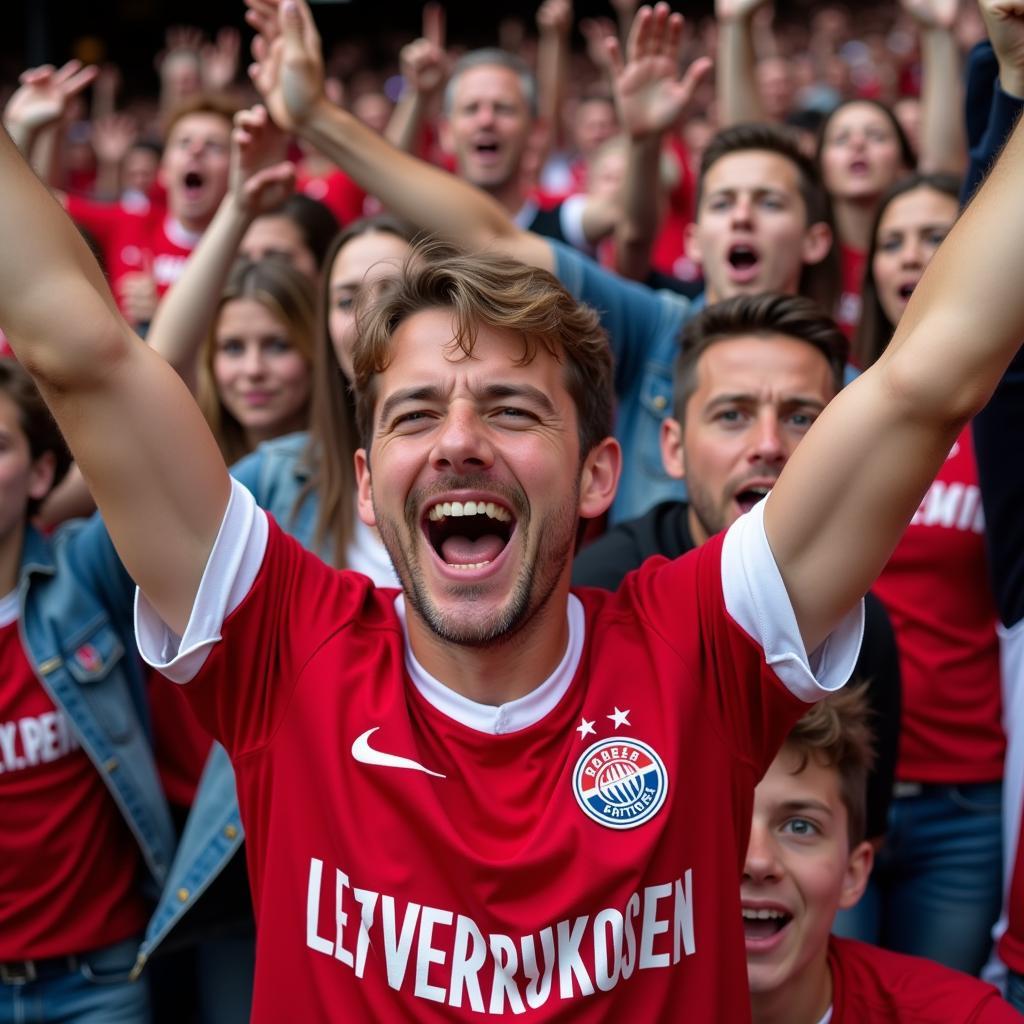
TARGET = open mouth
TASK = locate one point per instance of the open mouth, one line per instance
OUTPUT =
(468, 534)
(860, 167)
(487, 150)
(750, 496)
(906, 289)
(193, 182)
(744, 260)
(764, 922)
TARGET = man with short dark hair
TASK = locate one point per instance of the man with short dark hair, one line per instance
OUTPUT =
(752, 374)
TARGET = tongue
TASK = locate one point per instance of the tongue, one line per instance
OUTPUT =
(760, 929)
(459, 550)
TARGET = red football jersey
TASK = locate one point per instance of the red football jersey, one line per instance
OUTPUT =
(875, 986)
(579, 855)
(180, 744)
(938, 595)
(68, 864)
(146, 240)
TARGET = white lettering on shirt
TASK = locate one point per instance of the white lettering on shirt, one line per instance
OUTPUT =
(167, 268)
(455, 962)
(34, 740)
(955, 506)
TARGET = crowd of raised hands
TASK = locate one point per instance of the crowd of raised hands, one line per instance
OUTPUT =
(248, 203)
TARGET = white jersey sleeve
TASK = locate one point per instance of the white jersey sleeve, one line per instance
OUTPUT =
(228, 577)
(756, 598)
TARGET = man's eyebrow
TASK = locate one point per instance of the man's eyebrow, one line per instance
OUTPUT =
(524, 391)
(747, 398)
(796, 806)
(420, 393)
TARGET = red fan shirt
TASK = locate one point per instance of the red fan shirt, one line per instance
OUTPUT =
(937, 592)
(146, 240)
(580, 857)
(873, 986)
(68, 863)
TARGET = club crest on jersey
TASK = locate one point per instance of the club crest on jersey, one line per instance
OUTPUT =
(620, 783)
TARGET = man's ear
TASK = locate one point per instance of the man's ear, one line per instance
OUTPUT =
(691, 243)
(364, 488)
(599, 478)
(671, 438)
(858, 871)
(817, 243)
(41, 475)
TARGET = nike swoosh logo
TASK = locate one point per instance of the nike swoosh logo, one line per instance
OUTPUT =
(365, 754)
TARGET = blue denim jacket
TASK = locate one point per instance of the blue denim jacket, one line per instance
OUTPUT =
(76, 627)
(643, 327)
(274, 473)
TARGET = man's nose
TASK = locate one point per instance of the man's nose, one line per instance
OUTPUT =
(762, 862)
(766, 443)
(461, 443)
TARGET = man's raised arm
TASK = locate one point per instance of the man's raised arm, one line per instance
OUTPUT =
(135, 432)
(853, 484)
(288, 72)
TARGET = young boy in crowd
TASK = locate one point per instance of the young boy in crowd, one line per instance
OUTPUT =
(807, 858)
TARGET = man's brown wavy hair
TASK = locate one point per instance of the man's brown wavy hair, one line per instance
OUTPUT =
(489, 290)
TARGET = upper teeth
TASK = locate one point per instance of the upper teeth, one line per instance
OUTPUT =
(469, 508)
(764, 914)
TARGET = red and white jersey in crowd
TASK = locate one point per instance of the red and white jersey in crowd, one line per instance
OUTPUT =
(874, 986)
(938, 593)
(133, 241)
(69, 866)
(416, 856)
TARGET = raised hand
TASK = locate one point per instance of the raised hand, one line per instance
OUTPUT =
(649, 91)
(218, 61)
(113, 136)
(424, 61)
(261, 179)
(182, 39)
(137, 292)
(44, 93)
(555, 17)
(288, 68)
(736, 10)
(595, 31)
(1004, 20)
(932, 13)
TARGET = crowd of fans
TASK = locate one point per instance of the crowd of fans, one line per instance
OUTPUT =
(749, 204)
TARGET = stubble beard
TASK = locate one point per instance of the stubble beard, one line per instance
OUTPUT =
(535, 583)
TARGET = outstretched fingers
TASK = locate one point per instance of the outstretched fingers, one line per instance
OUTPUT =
(73, 77)
(639, 42)
(694, 73)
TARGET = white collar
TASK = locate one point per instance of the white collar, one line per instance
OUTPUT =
(180, 235)
(516, 714)
(10, 608)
